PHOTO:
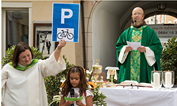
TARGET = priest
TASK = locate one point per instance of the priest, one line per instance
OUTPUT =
(137, 64)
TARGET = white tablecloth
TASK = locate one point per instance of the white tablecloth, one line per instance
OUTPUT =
(119, 96)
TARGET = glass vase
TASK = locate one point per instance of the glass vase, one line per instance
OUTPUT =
(168, 79)
(156, 79)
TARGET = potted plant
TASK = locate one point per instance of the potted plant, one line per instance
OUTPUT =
(169, 56)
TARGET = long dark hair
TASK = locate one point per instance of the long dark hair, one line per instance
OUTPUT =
(19, 48)
(82, 84)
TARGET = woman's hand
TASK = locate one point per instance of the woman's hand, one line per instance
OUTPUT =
(61, 44)
(58, 49)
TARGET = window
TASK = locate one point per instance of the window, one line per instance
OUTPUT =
(17, 23)
(161, 19)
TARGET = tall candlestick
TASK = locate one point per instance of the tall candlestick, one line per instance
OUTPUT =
(168, 79)
(156, 80)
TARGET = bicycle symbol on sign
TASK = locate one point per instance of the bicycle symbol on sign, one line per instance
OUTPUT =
(62, 34)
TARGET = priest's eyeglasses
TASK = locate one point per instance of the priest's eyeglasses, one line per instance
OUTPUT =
(137, 13)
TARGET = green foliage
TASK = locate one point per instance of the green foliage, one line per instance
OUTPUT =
(37, 53)
(53, 83)
(98, 98)
(10, 51)
(169, 56)
(8, 56)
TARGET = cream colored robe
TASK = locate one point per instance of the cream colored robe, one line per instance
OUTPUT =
(27, 88)
(149, 54)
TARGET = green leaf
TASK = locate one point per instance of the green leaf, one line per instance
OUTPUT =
(169, 56)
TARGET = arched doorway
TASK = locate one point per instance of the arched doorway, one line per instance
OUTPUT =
(109, 19)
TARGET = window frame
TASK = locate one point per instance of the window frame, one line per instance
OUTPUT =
(14, 6)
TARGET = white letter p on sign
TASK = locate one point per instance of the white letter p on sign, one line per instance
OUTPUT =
(63, 16)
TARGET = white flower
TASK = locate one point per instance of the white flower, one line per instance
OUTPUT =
(56, 97)
(89, 87)
(63, 79)
(93, 79)
(88, 72)
(99, 92)
(87, 78)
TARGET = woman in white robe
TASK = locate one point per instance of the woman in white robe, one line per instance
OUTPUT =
(23, 85)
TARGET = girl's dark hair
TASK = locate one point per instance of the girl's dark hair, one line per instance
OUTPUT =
(19, 48)
(82, 84)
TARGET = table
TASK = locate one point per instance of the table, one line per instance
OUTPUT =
(119, 96)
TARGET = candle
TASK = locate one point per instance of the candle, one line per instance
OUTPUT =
(156, 77)
(168, 79)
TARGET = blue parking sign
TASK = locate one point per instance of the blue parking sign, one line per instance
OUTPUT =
(65, 23)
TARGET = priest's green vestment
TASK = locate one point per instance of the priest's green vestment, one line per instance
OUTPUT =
(148, 38)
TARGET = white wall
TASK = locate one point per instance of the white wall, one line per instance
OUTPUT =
(105, 33)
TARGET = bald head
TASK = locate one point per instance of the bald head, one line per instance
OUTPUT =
(137, 16)
(139, 9)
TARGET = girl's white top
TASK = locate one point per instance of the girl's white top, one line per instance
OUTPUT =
(77, 94)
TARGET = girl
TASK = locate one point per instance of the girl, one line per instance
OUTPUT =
(76, 79)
